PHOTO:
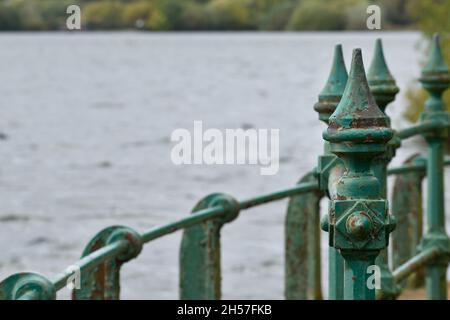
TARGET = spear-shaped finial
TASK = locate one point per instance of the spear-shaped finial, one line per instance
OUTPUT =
(357, 118)
(435, 75)
(381, 82)
(331, 94)
(358, 220)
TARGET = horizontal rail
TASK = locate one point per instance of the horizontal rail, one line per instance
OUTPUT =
(99, 256)
(300, 188)
(406, 169)
(415, 263)
(412, 167)
(91, 261)
(410, 266)
(420, 128)
(199, 217)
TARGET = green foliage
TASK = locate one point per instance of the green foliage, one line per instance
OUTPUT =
(135, 14)
(9, 18)
(144, 15)
(195, 17)
(326, 15)
(229, 15)
(396, 11)
(173, 10)
(416, 98)
(103, 15)
(317, 15)
(199, 14)
(431, 17)
(278, 16)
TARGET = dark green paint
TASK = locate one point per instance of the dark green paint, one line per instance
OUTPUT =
(359, 225)
(329, 164)
(27, 286)
(200, 270)
(384, 89)
(103, 281)
(436, 79)
(331, 94)
(407, 209)
(351, 172)
(381, 82)
(302, 245)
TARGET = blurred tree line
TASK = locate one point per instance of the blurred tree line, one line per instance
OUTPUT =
(161, 15)
(431, 16)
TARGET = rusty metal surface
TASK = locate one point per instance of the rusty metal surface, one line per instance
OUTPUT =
(302, 245)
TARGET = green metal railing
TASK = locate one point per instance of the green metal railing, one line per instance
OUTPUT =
(352, 173)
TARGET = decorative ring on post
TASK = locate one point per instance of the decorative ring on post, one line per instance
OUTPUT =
(132, 238)
(20, 285)
(230, 204)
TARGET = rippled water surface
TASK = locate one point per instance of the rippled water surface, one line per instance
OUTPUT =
(86, 122)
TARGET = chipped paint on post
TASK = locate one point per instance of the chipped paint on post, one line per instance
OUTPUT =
(329, 98)
(384, 89)
(103, 281)
(436, 79)
(351, 172)
(407, 209)
(200, 270)
(302, 245)
(359, 225)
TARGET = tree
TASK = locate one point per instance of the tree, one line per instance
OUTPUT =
(317, 15)
(103, 15)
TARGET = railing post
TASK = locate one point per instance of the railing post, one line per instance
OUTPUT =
(435, 79)
(302, 245)
(103, 282)
(407, 209)
(383, 88)
(200, 274)
(359, 223)
(329, 98)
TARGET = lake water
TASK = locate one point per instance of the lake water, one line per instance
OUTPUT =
(88, 119)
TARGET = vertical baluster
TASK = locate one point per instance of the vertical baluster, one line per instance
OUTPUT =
(435, 79)
(302, 251)
(359, 224)
(103, 282)
(383, 88)
(200, 270)
(407, 209)
(329, 98)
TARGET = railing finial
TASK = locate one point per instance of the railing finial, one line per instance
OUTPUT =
(381, 82)
(436, 63)
(331, 94)
(358, 112)
(435, 75)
